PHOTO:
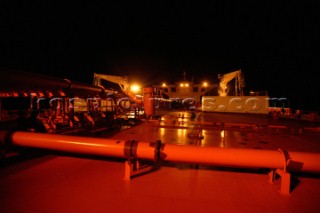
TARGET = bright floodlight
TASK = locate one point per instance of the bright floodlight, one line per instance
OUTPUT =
(205, 84)
(135, 88)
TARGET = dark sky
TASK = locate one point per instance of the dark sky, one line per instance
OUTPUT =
(275, 44)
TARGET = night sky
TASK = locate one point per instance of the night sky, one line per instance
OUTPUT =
(275, 44)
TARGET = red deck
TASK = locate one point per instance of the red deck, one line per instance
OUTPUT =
(60, 182)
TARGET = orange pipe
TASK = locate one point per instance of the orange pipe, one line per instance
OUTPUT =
(73, 144)
(146, 151)
(233, 157)
(303, 161)
(224, 156)
(148, 101)
(236, 157)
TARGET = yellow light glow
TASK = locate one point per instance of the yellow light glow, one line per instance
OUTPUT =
(182, 132)
(223, 139)
(222, 134)
(205, 84)
(164, 85)
(162, 131)
(181, 85)
(135, 88)
(186, 85)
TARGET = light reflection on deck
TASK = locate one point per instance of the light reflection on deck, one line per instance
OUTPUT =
(56, 183)
(171, 129)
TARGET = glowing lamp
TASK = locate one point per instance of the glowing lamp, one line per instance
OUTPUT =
(135, 88)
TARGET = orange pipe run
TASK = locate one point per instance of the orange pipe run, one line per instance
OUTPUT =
(233, 157)
(148, 101)
(73, 144)
(145, 151)
(305, 161)
(236, 157)
(224, 156)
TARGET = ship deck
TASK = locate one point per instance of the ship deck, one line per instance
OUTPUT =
(48, 181)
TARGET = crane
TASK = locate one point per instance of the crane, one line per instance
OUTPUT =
(226, 78)
(147, 100)
(122, 81)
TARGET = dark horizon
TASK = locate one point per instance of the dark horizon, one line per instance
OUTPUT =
(273, 44)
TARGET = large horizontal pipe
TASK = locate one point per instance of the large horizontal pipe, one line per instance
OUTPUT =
(232, 157)
(72, 144)
(236, 157)
(15, 80)
(84, 89)
(225, 156)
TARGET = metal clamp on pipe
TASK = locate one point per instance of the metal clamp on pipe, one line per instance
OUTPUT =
(285, 176)
(130, 149)
(158, 146)
(286, 159)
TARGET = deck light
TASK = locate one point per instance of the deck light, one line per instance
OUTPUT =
(135, 88)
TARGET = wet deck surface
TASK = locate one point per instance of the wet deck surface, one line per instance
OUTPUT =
(60, 182)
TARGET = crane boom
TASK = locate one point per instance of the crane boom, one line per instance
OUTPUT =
(121, 81)
(226, 78)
